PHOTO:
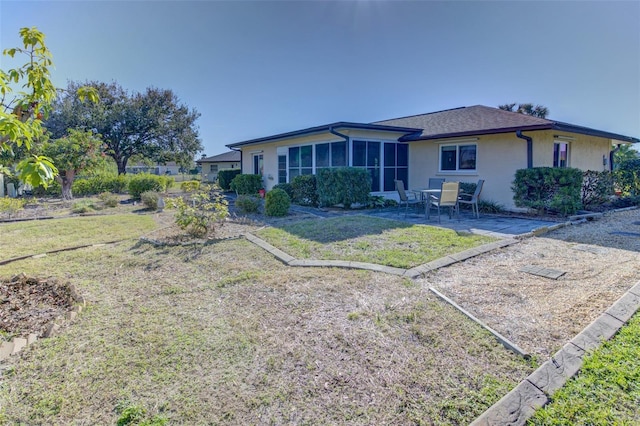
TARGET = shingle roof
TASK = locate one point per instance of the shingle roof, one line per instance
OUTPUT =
(328, 128)
(479, 119)
(229, 157)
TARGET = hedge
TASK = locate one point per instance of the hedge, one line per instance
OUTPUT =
(345, 185)
(225, 177)
(548, 188)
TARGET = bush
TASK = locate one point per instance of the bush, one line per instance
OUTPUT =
(98, 184)
(144, 182)
(109, 199)
(52, 190)
(199, 215)
(11, 205)
(225, 177)
(488, 206)
(277, 203)
(286, 187)
(627, 177)
(83, 206)
(345, 185)
(305, 190)
(548, 188)
(247, 203)
(627, 201)
(247, 184)
(190, 185)
(150, 199)
(597, 187)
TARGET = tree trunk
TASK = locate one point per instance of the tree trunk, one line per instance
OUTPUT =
(122, 165)
(66, 181)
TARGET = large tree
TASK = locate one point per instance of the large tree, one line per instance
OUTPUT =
(153, 124)
(528, 109)
(73, 153)
(21, 110)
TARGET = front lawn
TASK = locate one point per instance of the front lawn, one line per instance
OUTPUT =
(369, 239)
(222, 333)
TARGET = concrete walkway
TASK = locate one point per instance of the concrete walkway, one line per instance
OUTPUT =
(495, 225)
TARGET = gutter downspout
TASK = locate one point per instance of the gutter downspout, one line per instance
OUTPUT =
(611, 155)
(529, 148)
(340, 135)
(240, 151)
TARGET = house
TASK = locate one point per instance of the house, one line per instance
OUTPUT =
(210, 166)
(168, 168)
(462, 144)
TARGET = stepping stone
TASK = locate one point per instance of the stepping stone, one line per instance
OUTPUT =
(591, 249)
(554, 274)
(625, 233)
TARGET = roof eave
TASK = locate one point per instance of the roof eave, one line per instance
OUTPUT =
(323, 129)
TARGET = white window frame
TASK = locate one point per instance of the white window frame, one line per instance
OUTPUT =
(561, 142)
(457, 170)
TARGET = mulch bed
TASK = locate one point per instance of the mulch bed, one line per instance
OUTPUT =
(28, 304)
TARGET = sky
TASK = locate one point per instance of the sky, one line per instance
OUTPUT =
(259, 68)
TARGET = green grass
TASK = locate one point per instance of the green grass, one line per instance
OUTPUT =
(369, 239)
(606, 391)
(225, 334)
(35, 237)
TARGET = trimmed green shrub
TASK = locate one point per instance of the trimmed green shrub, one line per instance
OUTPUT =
(247, 184)
(190, 185)
(548, 188)
(286, 187)
(100, 183)
(345, 185)
(52, 190)
(225, 177)
(150, 199)
(247, 203)
(597, 187)
(305, 191)
(277, 203)
(627, 177)
(144, 182)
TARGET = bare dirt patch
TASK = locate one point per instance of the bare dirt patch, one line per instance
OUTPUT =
(28, 304)
(601, 260)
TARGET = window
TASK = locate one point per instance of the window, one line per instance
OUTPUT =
(282, 168)
(396, 165)
(258, 164)
(300, 161)
(213, 168)
(458, 157)
(560, 154)
(367, 154)
(332, 154)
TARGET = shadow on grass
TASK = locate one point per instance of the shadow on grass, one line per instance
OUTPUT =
(336, 229)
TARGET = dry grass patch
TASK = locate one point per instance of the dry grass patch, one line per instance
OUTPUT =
(223, 333)
(35, 237)
(369, 239)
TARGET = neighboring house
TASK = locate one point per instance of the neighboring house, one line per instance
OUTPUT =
(170, 168)
(462, 144)
(210, 166)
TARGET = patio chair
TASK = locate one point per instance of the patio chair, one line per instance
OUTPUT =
(472, 199)
(435, 183)
(406, 199)
(448, 197)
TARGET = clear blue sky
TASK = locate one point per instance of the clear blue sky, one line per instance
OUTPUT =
(254, 69)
